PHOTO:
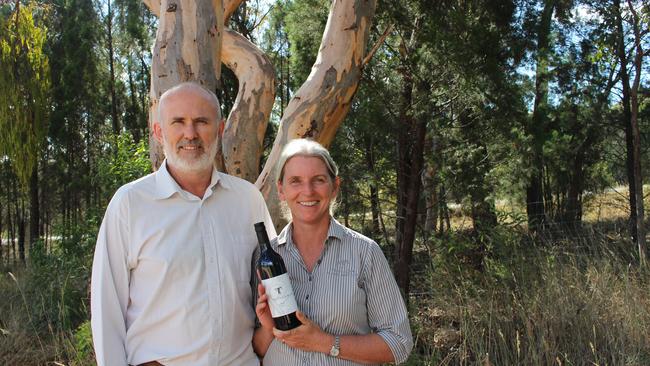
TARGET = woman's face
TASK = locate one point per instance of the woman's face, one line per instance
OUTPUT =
(308, 189)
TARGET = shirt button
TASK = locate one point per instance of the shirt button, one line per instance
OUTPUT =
(307, 298)
(309, 278)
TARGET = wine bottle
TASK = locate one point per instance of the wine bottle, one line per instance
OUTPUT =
(276, 282)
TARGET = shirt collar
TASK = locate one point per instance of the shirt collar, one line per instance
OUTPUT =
(166, 186)
(336, 230)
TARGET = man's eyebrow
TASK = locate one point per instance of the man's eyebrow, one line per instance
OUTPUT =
(200, 119)
(178, 119)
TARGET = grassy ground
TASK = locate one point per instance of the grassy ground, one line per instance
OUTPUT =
(556, 305)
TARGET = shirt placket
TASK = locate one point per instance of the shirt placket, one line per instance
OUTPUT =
(212, 266)
(310, 305)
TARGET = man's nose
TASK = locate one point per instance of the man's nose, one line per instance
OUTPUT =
(189, 132)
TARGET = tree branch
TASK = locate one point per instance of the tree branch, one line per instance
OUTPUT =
(377, 44)
(154, 6)
(243, 137)
(229, 7)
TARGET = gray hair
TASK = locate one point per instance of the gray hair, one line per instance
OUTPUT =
(308, 148)
(192, 85)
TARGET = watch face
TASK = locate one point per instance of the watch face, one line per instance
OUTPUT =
(334, 352)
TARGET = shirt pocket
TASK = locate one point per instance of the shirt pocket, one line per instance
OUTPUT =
(342, 268)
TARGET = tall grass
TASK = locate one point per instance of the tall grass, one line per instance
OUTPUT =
(43, 308)
(559, 304)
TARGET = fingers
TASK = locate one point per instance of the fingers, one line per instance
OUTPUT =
(260, 289)
(301, 316)
(280, 334)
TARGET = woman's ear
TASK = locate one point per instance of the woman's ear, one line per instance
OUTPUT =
(337, 185)
(278, 185)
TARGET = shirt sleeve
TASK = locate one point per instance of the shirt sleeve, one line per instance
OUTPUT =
(387, 314)
(109, 293)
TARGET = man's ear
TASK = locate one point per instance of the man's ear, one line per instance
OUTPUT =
(157, 132)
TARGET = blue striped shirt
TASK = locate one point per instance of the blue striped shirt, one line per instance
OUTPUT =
(350, 291)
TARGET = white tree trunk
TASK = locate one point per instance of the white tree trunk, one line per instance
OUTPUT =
(321, 103)
(243, 136)
(188, 47)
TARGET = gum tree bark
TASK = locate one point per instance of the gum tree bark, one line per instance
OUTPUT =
(243, 137)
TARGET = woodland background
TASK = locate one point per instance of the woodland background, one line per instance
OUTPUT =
(491, 149)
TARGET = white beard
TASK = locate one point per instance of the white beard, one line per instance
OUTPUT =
(203, 162)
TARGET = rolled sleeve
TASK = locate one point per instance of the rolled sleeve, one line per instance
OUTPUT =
(387, 314)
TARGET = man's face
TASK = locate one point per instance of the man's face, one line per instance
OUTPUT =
(188, 130)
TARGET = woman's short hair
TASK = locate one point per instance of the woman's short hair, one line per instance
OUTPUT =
(308, 148)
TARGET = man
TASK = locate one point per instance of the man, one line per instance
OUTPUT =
(171, 279)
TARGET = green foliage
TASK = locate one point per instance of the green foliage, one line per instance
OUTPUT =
(305, 23)
(84, 342)
(24, 88)
(125, 161)
(60, 275)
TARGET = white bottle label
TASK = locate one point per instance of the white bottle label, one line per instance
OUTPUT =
(280, 294)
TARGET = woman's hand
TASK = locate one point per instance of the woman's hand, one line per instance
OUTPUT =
(262, 308)
(307, 337)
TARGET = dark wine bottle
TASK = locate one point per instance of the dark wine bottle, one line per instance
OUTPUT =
(276, 282)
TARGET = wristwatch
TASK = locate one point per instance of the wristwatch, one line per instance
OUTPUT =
(334, 351)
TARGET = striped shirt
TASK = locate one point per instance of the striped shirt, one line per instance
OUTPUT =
(350, 291)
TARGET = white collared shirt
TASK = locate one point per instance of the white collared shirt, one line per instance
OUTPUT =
(171, 277)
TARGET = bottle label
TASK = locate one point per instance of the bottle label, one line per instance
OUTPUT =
(280, 294)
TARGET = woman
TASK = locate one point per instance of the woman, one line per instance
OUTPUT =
(351, 309)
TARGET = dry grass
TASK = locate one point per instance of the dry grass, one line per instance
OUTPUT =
(28, 333)
(538, 306)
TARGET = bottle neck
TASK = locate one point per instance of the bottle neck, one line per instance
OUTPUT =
(263, 240)
(264, 246)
